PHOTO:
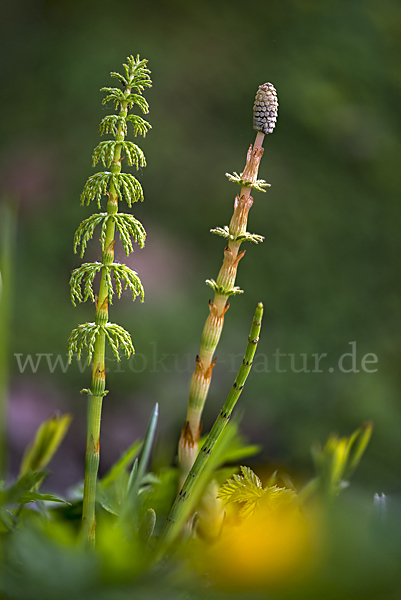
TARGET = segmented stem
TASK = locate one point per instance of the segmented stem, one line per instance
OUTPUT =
(224, 287)
(110, 152)
(98, 365)
(182, 505)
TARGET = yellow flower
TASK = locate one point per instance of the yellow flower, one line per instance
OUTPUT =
(269, 547)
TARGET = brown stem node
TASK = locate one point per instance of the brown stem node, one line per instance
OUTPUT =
(187, 439)
(250, 172)
(208, 373)
(238, 258)
(199, 364)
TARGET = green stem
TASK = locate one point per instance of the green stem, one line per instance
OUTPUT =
(200, 382)
(95, 400)
(182, 505)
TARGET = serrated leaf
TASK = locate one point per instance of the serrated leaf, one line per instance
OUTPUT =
(242, 488)
(251, 477)
(248, 490)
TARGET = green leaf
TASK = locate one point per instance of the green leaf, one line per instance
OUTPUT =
(147, 526)
(242, 488)
(148, 443)
(8, 521)
(357, 446)
(336, 462)
(129, 508)
(248, 490)
(108, 499)
(47, 440)
(13, 493)
(33, 496)
(122, 463)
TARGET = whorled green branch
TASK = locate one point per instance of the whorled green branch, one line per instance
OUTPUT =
(257, 185)
(125, 184)
(128, 227)
(245, 237)
(124, 278)
(114, 123)
(136, 74)
(224, 291)
(118, 97)
(83, 338)
(105, 152)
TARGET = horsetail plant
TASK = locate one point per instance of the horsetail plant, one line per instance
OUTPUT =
(182, 504)
(117, 186)
(264, 120)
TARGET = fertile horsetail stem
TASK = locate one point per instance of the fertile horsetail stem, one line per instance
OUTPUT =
(264, 119)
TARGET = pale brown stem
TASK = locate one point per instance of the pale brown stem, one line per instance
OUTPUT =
(200, 382)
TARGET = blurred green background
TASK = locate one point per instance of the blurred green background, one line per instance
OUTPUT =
(327, 272)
